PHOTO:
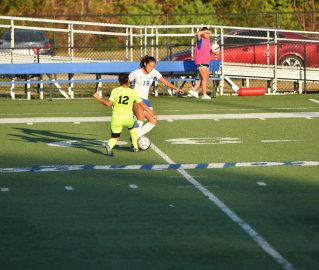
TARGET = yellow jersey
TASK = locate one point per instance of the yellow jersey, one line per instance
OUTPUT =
(123, 99)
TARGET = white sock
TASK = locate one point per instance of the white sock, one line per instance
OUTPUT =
(146, 128)
(138, 126)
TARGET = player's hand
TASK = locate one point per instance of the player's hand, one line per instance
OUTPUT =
(96, 95)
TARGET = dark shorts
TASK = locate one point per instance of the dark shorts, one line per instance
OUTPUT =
(202, 66)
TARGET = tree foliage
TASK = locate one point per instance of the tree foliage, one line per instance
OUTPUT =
(223, 12)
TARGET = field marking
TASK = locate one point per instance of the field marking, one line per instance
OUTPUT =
(314, 100)
(157, 167)
(165, 117)
(179, 176)
(294, 108)
(278, 141)
(208, 110)
(4, 189)
(215, 186)
(133, 186)
(83, 143)
(230, 213)
(207, 140)
(261, 183)
(69, 188)
(53, 113)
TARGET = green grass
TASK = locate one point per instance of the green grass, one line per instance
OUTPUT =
(104, 224)
(162, 105)
(165, 223)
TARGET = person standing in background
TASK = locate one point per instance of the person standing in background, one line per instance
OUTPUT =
(202, 59)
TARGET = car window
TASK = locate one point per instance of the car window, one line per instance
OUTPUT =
(28, 36)
(235, 41)
(256, 34)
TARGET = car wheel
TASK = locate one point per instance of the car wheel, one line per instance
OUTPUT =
(291, 61)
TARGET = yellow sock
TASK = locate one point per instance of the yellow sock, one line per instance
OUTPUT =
(134, 137)
(112, 142)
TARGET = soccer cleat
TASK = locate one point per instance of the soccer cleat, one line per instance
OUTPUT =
(193, 93)
(117, 146)
(206, 97)
(170, 92)
(109, 151)
(132, 149)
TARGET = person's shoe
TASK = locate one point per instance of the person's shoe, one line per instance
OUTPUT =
(109, 151)
(134, 149)
(206, 97)
(170, 92)
(193, 93)
(117, 146)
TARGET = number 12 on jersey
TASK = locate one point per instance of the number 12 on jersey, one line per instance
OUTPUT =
(123, 100)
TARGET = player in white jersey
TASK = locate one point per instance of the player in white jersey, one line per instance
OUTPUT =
(141, 80)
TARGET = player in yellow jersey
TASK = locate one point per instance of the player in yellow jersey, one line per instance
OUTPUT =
(122, 100)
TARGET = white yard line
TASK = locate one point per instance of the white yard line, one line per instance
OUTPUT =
(294, 108)
(279, 141)
(261, 183)
(216, 186)
(164, 117)
(230, 213)
(204, 110)
(314, 100)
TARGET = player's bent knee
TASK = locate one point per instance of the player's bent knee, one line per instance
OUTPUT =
(115, 135)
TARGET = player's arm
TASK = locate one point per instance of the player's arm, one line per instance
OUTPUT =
(200, 33)
(108, 103)
(170, 85)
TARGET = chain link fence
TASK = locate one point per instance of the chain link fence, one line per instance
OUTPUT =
(173, 44)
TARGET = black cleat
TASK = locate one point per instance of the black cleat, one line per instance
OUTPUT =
(132, 149)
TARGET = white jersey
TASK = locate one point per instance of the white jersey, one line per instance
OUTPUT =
(142, 82)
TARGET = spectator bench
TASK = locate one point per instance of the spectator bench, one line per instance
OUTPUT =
(174, 71)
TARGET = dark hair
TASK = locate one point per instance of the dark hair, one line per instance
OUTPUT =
(123, 78)
(204, 28)
(147, 59)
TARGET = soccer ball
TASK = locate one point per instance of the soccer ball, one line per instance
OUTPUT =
(215, 48)
(143, 143)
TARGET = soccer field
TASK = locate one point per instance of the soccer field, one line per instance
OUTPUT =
(230, 183)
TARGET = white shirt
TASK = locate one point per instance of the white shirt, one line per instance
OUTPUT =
(142, 82)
